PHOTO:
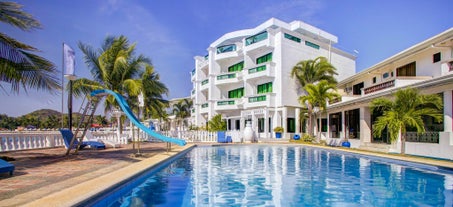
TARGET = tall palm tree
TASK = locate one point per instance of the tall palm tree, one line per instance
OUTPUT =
(318, 96)
(406, 110)
(182, 110)
(113, 67)
(19, 66)
(311, 72)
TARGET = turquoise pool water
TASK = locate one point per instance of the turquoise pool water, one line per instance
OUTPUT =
(258, 175)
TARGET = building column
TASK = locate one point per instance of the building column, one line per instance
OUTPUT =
(343, 126)
(297, 120)
(284, 117)
(365, 125)
(448, 111)
(266, 123)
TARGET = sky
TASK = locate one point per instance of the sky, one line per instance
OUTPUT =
(172, 32)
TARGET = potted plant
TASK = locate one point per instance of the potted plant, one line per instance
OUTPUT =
(278, 132)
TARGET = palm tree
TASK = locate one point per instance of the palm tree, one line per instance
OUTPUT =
(113, 67)
(318, 96)
(18, 65)
(182, 110)
(406, 110)
(311, 72)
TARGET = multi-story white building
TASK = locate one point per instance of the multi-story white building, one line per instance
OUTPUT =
(246, 75)
(427, 66)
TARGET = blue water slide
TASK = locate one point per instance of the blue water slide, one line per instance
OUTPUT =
(127, 110)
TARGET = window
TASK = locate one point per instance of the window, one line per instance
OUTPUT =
(357, 89)
(264, 88)
(450, 65)
(236, 93)
(261, 125)
(290, 37)
(374, 80)
(313, 45)
(256, 38)
(264, 58)
(406, 70)
(236, 67)
(291, 124)
(226, 48)
(385, 75)
(436, 57)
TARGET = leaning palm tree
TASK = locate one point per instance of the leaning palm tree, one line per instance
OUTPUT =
(311, 72)
(318, 96)
(406, 110)
(113, 67)
(19, 66)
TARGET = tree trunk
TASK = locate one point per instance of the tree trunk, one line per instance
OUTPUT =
(403, 143)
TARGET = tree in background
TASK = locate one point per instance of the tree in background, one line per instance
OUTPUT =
(406, 110)
(181, 110)
(311, 72)
(19, 66)
(318, 96)
(217, 124)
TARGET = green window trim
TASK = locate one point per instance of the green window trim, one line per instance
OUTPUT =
(205, 82)
(226, 48)
(223, 103)
(226, 76)
(236, 67)
(205, 105)
(293, 38)
(256, 38)
(236, 93)
(257, 69)
(264, 58)
(264, 88)
(311, 44)
(257, 98)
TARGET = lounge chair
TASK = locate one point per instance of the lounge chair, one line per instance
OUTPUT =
(6, 167)
(67, 136)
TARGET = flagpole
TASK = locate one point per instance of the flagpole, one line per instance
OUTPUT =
(62, 88)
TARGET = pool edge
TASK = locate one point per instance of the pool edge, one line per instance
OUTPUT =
(82, 192)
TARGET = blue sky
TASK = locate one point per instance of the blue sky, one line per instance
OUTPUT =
(172, 32)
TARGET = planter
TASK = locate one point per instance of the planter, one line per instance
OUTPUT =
(296, 137)
(346, 144)
(278, 135)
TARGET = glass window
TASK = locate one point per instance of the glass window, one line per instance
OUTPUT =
(236, 67)
(374, 79)
(311, 44)
(264, 88)
(226, 48)
(291, 124)
(256, 38)
(295, 39)
(236, 93)
(436, 57)
(406, 70)
(264, 58)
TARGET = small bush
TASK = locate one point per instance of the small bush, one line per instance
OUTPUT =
(308, 138)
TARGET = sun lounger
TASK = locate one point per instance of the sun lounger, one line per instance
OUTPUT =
(67, 136)
(6, 167)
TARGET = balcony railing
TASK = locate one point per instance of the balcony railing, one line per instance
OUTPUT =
(257, 98)
(222, 103)
(226, 76)
(427, 137)
(380, 86)
(205, 105)
(193, 72)
(204, 82)
(257, 69)
(226, 48)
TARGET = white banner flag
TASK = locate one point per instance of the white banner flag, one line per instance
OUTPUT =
(69, 62)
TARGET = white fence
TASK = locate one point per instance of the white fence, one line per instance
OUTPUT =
(12, 141)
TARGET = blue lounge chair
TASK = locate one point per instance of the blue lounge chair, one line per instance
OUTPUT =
(6, 167)
(67, 136)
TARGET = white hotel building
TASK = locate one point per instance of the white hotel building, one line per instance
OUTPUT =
(246, 75)
(239, 80)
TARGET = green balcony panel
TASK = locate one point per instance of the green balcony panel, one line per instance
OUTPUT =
(256, 38)
(222, 103)
(205, 82)
(257, 69)
(226, 48)
(226, 76)
(205, 105)
(257, 98)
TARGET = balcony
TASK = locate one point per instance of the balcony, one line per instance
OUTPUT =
(204, 108)
(265, 70)
(255, 44)
(192, 93)
(400, 81)
(228, 78)
(193, 75)
(227, 52)
(228, 104)
(260, 100)
(204, 84)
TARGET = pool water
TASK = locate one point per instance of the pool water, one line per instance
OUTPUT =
(259, 175)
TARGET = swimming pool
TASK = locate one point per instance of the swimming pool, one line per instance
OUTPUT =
(284, 175)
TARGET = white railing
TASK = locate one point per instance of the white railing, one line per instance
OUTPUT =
(12, 141)
(202, 136)
(108, 137)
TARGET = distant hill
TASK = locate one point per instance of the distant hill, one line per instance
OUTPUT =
(44, 113)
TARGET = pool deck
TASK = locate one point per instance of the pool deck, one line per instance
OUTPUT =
(48, 178)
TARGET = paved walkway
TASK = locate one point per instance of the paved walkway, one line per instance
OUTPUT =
(41, 172)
